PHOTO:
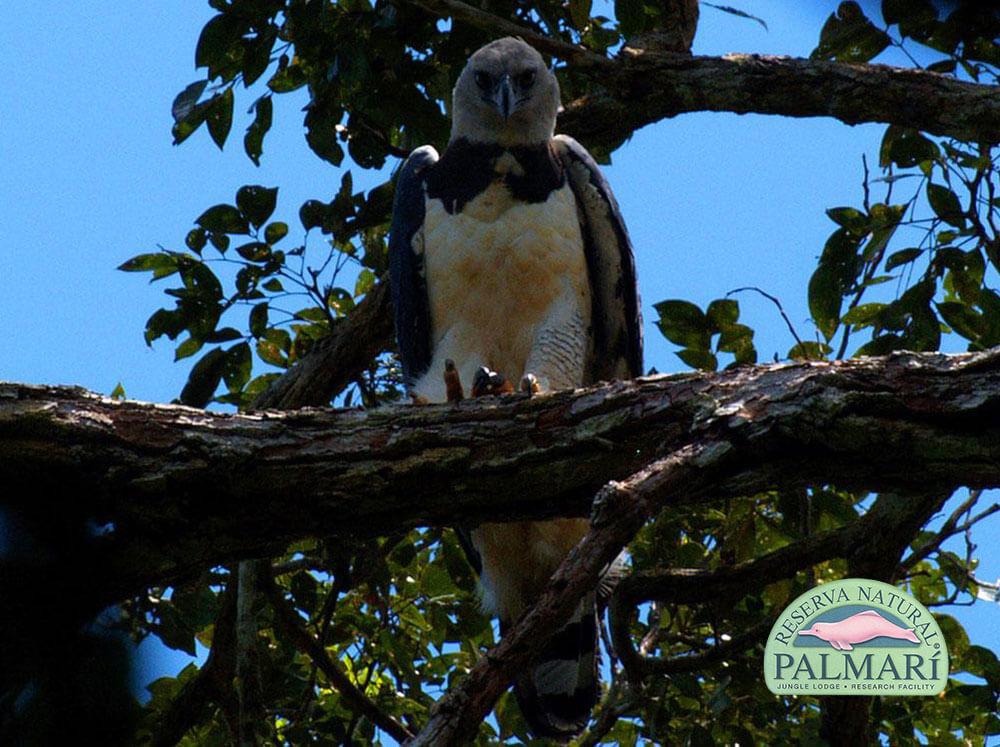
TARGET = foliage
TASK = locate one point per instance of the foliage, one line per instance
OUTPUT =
(909, 269)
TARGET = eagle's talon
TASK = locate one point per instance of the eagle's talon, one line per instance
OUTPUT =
(530, 385)
(487, 382)
(452, 382)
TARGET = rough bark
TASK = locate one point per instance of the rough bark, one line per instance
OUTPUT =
(646, 88)
(642, 87)
(181, 489)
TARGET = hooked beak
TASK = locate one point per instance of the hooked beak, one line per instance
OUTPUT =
(503, 97)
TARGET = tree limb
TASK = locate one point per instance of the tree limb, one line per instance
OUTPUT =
(354, 698)
(640, 88)
(180, 489)
(650, 87)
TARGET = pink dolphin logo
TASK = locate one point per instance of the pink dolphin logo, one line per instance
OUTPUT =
(857, 629)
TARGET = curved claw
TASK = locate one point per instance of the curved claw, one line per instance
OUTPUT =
(530, 385)
(487, 382)
(452, 382)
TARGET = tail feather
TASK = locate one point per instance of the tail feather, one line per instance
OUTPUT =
(558, 694)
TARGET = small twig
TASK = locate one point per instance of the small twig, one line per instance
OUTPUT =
(864, 184)
(950, 528)
(459, 11)
(353, 698)
(727, 649)
(776, 302)
(613, 706)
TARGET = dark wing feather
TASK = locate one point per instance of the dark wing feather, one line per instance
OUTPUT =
(406, 276)
(616, 319)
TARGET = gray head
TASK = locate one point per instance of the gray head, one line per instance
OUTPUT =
(505, 95)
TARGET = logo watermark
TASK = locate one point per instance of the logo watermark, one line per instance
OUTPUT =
(856, 637)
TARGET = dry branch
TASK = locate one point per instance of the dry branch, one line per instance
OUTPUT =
(182, 489)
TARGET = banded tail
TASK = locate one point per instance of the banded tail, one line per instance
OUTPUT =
(557, 695)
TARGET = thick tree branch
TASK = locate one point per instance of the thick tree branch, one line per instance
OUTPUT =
(650, 87)
(620, 510)
(640, 88)
(180, 489)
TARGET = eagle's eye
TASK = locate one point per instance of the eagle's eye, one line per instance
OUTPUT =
(484, 81)
(525, 79)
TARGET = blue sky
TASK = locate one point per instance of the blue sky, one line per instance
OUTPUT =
(89, 178)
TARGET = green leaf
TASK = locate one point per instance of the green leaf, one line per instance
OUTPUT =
(239, 363)
(700, 359)
(253, 141)
(187, 348)
(902, 257)
(850, 218)
(196, 239)
(257, 203)
(631, 15)
(149, 262)
(312, 214)
(258, 319)
(723, 313)
(963, 319)
(863, 315)
(186, 100)
(683, 323)
(809, 351)
(945, 204)
(257, 55)
(275, 232)
(882, 345)
(825, 299)
(364, 283)
(255, 251)
(848, 36)
(220, 47)
(220, 241)
(271, 353)
(204, 379)
(906, 148)
(220, 117)
(223, 219)
(273, 285)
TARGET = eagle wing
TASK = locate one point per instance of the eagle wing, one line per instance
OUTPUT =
(616, 352)
(406, 274)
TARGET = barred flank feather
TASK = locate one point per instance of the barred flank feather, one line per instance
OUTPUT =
(557, 695)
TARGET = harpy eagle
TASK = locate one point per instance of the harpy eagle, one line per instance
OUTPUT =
(508, 254)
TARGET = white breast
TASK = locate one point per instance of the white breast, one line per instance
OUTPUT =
(494, 272)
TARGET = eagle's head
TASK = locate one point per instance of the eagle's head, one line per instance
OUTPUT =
(505, 95)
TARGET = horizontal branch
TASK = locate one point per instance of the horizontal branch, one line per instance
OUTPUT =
(640, 88)
(178, 490)
(646, 88)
